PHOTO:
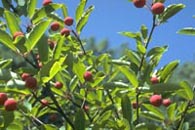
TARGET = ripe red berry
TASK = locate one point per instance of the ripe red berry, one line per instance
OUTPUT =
(51, 43)
(154, 80)
(44, 102)
(18, 34)
(31, 82)
(10, 104)
(58, 85)
(65, 31)
(46, 2)
(55, 26)
(158, 8)
(86, 107)
(135, 105)
(3, 98)
(166, 102)
(156, 100)
(88, 76)
(24, 76)
(68, 21)
(53, 117)
(139, 3)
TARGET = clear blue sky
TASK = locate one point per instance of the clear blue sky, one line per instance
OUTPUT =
(112, 16)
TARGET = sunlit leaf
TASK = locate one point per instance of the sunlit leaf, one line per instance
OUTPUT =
(80, 9)
(31, 6)
(187, 31)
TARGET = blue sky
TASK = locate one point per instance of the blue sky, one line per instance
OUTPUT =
(113, 16)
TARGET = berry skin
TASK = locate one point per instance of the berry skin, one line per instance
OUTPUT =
(158, 8)
(166, 102)
(65, 31)
(154, 80)
(44, 102)
(55, 26)
(86, 107)
(46, 2)
(58, 85)
(139, 3)
(10, 104)
(156, 100)
(51, 44)
(18, 34)
(88, 76)
(3, 98)
(68, 21)
(135, 105)
(53, 117)
(31, 82)
(24, 76)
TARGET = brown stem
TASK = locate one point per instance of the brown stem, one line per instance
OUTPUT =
(79, 40)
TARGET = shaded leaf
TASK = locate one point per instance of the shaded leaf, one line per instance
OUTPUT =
(79, 122)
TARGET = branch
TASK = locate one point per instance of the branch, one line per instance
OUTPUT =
(79, 40)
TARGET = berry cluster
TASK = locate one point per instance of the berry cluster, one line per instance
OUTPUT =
(10, 104)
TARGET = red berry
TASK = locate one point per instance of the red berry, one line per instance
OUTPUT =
(55, 26)
(51, 43)
(156, 100)
(53, 117)
(166, 102)
(139, 3)
(3, 98)
(135, 105)
(88, 76)
(31, 82)
(18, 34)
(154, 80)
(46, 2)
(86, 107)
(44, 102)
(158, 8)
(24, 76)
(68, 21)
(65, 31)
(10, 105)
(58, 85)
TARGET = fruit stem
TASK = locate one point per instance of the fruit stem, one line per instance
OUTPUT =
(141, 64)
(79, 40)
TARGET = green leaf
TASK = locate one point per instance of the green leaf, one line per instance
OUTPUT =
(133, 57)
(155, 110)
(141, 48)
(151, 115)
(43, 49)
(36, 34)
(130, 75)
(84, 19)
(79, 122)
(1, 11)
(171, 111)
(48, 127)
(49, 70)
(136, 36)
(5, 63)
(79, 69)
(120, 62)
(80, 9)
(59, 46)
(6, 74)
(31, 6)
(73, 83)
(113, 85)
(187, 31)
(8, 118)
(157, 51)
(187, 91)
(21, 2)
(12, 21)
(45, 11)
(64, 10)
(127, 110)
(164, 87)
(144, 31)
(170, 11)
(167, 70)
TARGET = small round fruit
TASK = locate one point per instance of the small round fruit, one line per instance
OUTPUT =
(154, 80)
(44, 102)
(88, 76)
(55, 26)
(3, 98)
(31, 82)
(135, 105)
(156, 100)
(68, 21)
(86, 107)
(158, 8)
(46, 2)
(18, 34)
(139, 3)
(65, 31)
(166, 102)
(51, 44)
(53, 117)
(24, 76)
(58, 85)
(10, 104)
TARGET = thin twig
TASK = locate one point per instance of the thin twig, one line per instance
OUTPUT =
(79, 40)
